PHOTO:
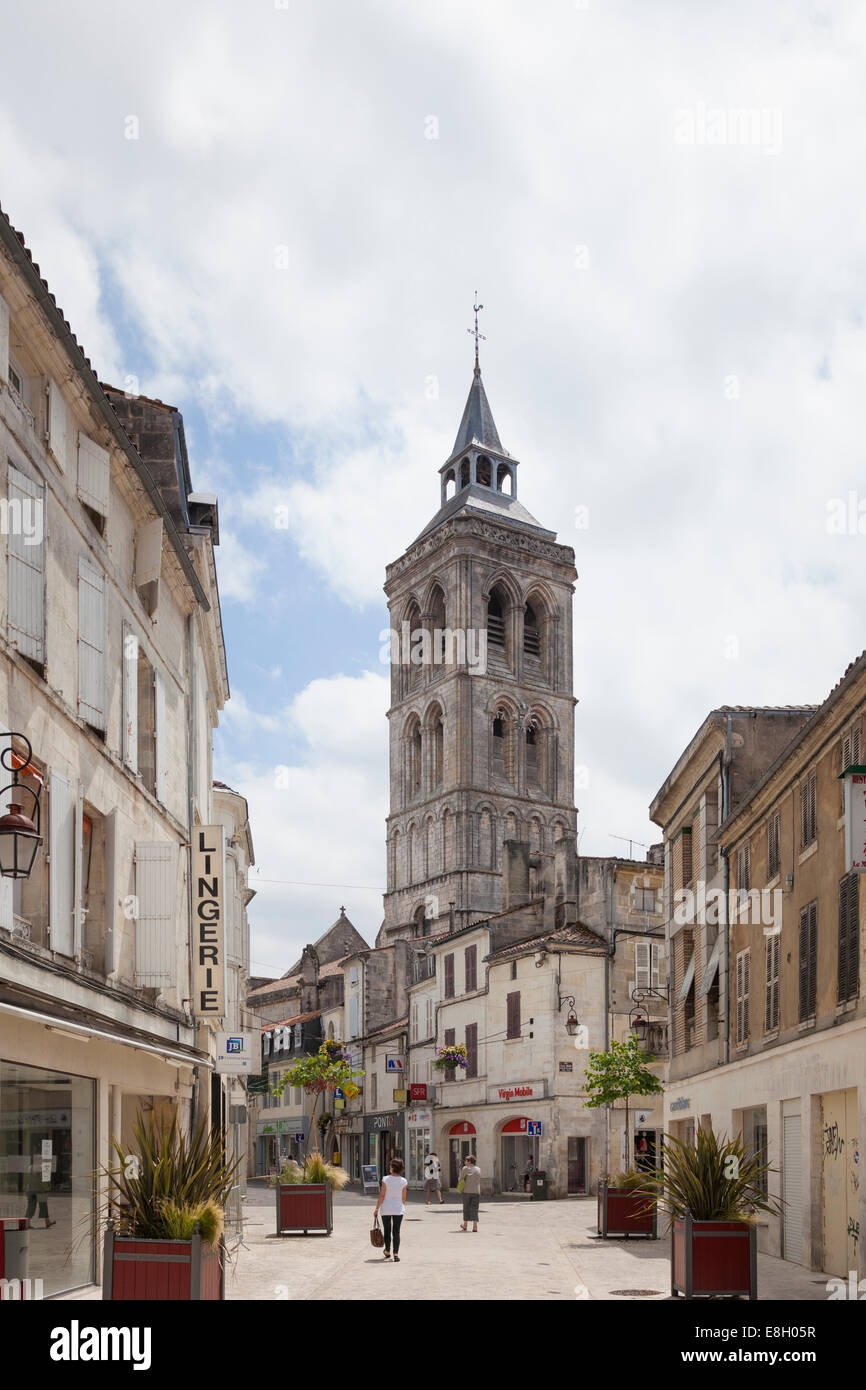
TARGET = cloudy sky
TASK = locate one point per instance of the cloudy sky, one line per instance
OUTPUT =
(275, 217)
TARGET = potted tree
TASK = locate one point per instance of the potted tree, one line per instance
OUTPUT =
(165, 1213)
(626, 1203)
(304, 1191)
(713, 1193)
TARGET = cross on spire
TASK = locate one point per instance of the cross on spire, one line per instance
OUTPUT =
(474, 331)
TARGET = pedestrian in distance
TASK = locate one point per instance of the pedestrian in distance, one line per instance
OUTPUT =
(471, 1182)
(433, 1177)
(392, 1204)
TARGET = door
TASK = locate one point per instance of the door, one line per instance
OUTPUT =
(460, 1151)
(840, 1159)
(519, 1157)
(792, 1188)
(576, 1165)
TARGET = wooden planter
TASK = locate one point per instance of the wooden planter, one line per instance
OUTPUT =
(161, 1270)
(304, 1207)
(626, 1212)
(713, 1257)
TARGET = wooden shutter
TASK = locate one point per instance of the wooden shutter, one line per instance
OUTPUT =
(129, 683)
(26, 572)
(512, 1004)
(57, 423)
(849, 938)
(449, 976)
(472, 1049)
(771, 997)
(687, 856)
(742, 996)
(470, 960)
(414, 1023)
(91, 644)
(642, 964)
(62, 798)
(808, 811)
(160, 735)
(94, 474)
(773, 829)
(155, 935)
(4, 340)
(808, 960)
(449, 1036)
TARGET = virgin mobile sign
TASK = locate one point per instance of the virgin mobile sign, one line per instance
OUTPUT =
(208, 929)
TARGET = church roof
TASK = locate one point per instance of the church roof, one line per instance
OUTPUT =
(495, 506)
(477, 425)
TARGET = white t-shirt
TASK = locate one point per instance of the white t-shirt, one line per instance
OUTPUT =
(393, 1203)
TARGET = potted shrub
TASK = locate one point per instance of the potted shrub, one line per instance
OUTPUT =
(451, 1057)
(713, 1193)
(167, 1195)
(627, 1206)
(304, 1194)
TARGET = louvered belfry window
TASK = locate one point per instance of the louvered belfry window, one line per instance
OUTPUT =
(849, 938)
(808, 960)
(495, 622)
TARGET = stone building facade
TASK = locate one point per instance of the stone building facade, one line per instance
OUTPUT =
(481, 717)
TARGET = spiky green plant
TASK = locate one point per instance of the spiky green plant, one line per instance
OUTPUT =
(167, 1171)
(633, 1180)
(315, 1170)
(181, 1221)
(715, 1180)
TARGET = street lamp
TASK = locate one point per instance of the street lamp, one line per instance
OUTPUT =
(19, 835)
(638, 1019)
(571, 1023)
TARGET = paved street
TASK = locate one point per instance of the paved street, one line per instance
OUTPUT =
(523, 1250)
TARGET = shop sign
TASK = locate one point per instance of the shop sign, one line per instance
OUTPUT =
(376, 1122)
(393, 1061)
(401, 1097)
(681, 1103)
(208, 925)
(521, 1091)
(234, 1053)
(418, 1119)
(418, 1091)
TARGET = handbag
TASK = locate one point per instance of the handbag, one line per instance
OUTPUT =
(376, 1236)
(461, 1184)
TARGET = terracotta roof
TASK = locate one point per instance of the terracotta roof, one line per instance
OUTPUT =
(389, 1028)
(289, 1022)
(275, 986)
(577, 936)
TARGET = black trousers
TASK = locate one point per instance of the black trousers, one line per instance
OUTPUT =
(389, 1224)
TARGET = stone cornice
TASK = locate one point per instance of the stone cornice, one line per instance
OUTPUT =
(523, 542)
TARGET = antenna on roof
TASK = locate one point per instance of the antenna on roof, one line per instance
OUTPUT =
(630, 842)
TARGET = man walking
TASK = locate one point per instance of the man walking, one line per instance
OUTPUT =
(432, 1177)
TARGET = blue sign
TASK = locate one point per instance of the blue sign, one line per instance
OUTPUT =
(299, 1138)
(338, 1094)
(393, 1063)
(234, 1044)
(533, 1127)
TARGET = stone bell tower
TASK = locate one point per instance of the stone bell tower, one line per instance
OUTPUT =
(482, 710)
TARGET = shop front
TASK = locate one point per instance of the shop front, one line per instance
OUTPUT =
(419, 1126)
(384, 1139)
(519, 1139)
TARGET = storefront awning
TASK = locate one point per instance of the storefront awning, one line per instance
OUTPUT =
(66, 1025)
(712, 967)
(688, 980)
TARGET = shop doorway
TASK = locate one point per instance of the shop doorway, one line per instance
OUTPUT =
(518, 1155)
(462, 1143)
(576, 1166)
(645, 1149)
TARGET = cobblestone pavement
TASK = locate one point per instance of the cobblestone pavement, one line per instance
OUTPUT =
(523, 1250)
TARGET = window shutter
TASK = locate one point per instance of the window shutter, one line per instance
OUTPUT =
(6, 910)
(658, 965)
(642, 964)
(414, 1023)
(849, 938)
(156, 891)
(4, 340)
(91, 644)
(159, 735)
(449, 976)
(808, 960)
(513, 1014)
(472, 1049)
(129, 741)
(429, 1033)
(470, 958)
(771, 1000)
(94, 474)
(57, 423)
(449, 1036)
(148, 552)
(61, 873)
(26, 574)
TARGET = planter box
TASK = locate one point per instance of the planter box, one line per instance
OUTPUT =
(713, 1257)
(626, 1212)
(304, 1207)
(161, 1270)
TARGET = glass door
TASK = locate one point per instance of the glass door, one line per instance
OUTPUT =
(576, 1166)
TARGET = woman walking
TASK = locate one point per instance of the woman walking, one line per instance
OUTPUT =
(433, 1177)
(471, 1177)
(392, 1204)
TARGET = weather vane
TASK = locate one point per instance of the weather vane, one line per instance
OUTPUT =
(476, 309)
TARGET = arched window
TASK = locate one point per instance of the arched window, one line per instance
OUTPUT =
(496, 621)
(437, 742)
(531, 756)
(413, 657)
(536, 835)
(449, 485)
(423, 924)
(485, 840)
(331, 1033)
(505, 480)
(413, 758)
(531, 635)
(536, 630)
(502, 746)
(447, 840)
(437, 624)
(432, 847)
(483, 474)
(465, 474)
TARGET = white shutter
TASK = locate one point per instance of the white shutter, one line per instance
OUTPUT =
(159, 735)
(414, 1022)
(77, 850)
(429, 1033)
(129, 738)
(94, 474)
(6, 883)
(155, 935)
(148, 552)
(26, 604)
(112, 928)
(4, 340)
(62, 799)
(658, 966)
(57, 422)
(91, 644)
(642, 964)
(792, 1188)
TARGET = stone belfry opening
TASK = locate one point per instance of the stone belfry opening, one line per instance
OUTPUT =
(481, 724)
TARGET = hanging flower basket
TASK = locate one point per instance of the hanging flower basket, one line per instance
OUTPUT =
(450, 1058)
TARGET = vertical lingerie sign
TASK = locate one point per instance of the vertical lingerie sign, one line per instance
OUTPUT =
(208, 926)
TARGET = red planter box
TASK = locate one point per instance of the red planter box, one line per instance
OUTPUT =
(713, 1257)
(161, 1270)
(304, 1207)
(626, 1212)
